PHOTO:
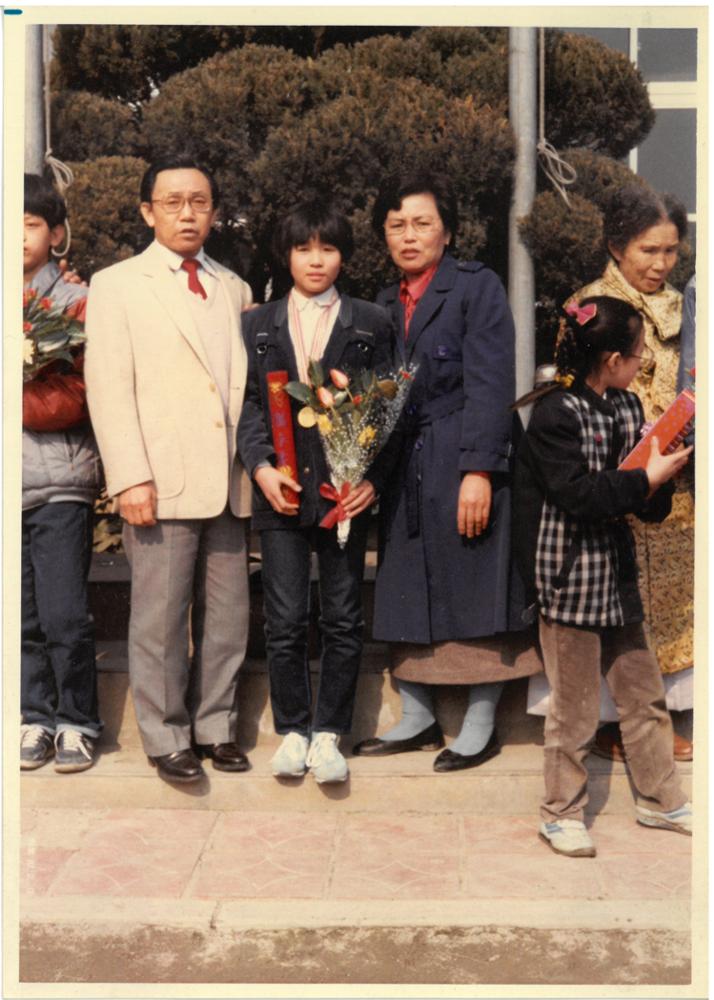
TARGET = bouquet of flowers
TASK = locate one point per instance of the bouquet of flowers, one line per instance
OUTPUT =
(354, 418)
(50, 332)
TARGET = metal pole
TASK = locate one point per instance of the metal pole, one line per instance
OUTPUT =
(522, 96)
(34, 100)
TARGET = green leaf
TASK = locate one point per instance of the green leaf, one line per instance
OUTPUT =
(317, 375)
(299, 391)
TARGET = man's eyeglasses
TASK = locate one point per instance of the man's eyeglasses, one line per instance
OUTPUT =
(174, 203)
(421, 227)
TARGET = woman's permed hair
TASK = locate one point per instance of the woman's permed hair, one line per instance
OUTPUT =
(396, 189)
(310, 219)
(636, 208)
(43, 200)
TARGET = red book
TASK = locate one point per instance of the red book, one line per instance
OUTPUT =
(281, 424)
(671, 428)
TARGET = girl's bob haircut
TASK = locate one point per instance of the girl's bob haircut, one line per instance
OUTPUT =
(310, 219)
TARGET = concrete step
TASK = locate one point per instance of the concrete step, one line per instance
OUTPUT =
(377, 705)
(510, 784)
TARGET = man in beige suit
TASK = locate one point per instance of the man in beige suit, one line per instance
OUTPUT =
(165, 372)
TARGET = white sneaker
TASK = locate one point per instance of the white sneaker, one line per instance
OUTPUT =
(325, 760)
(569, 837)
(679, 820)
(289, 759)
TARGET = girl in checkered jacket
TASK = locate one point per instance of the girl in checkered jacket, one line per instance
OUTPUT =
(576, 552)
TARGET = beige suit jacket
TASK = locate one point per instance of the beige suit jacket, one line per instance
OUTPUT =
(156, 411)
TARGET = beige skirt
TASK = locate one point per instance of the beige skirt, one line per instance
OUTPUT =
(501, 657)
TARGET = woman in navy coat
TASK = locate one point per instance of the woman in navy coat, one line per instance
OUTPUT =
(445, 591)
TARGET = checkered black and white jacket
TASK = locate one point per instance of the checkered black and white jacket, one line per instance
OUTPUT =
(574, 547)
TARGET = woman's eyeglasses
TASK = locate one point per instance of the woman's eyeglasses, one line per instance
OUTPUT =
(420, 227)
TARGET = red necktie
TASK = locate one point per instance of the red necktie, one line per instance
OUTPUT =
(191, 265)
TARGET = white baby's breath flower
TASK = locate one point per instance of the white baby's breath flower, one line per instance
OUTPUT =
(28, 351)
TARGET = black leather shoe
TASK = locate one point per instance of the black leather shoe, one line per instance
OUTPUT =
(450, 761)
(225, 756)
(181, 765)
(428, 739)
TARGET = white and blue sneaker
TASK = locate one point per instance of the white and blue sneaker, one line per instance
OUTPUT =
(289, 759)
(325, 760)
(568, 837)
(679, 820)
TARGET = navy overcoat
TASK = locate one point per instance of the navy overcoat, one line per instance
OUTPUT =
(433, 584)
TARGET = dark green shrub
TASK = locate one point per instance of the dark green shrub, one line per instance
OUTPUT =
(85, 126)
(103, 209)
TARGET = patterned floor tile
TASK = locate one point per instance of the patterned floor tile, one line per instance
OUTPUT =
(516, 876)
(623, 835)
(137, 852)
(409, 857)
(502, 834)
(39, 867)
(643, 876)
(267, 855)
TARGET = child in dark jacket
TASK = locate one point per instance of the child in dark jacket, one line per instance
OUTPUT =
(60, 481)
(576, 551)
(315, 322)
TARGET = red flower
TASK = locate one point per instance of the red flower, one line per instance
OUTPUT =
(356, 400)
(45, 303)
(78, 310)
(325, 396)
(26, 327)
(339, 378)
(28, 295)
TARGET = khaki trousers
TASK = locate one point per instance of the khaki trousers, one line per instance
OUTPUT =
(575, 657)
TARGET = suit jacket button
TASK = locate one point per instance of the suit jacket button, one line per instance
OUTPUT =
(219, 423)
(212, 386)
(306, 470)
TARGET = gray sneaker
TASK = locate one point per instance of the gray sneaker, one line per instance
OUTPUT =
(679, 820)
(325, 760)
(74, 751)
(37, 746)
(568, 837)
(289, 759)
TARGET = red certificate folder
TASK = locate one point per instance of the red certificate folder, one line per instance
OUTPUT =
(671, 428)
(281, 423)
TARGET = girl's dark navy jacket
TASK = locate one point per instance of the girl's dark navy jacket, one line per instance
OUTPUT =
(362, 337)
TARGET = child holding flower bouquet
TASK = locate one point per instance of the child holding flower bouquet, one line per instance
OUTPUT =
(60, 480)
(347, 337)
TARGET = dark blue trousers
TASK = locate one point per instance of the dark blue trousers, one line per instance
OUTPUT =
(58, 668)
(286, 589)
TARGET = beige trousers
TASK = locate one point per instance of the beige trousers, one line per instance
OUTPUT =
(575, 658)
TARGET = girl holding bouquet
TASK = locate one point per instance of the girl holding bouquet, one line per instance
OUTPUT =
(313, 322)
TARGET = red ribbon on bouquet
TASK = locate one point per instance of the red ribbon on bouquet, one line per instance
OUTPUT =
(338, 511)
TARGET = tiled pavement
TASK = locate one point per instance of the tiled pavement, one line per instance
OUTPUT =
(185, 854)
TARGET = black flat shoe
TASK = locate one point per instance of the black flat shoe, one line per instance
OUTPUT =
(181, 766)
(450, 761)
(428, 739)
(225, 756)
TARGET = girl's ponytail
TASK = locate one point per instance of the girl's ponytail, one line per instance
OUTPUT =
(598, 324)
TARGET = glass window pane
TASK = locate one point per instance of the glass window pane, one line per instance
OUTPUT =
(668, 156)
(667, 53)
(615, 38)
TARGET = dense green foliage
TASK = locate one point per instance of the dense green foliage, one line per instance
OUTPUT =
(280, 112)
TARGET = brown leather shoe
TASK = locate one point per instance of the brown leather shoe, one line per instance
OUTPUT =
(608, 742)
(225, 756)
(181, 766)
(683, 748)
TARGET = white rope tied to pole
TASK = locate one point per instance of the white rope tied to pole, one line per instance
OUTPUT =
(557, 170)
(62, 174)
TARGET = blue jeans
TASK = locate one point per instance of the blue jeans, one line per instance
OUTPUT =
(58, 688)
(286, 590)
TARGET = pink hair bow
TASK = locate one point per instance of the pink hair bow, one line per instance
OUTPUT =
(584, 315)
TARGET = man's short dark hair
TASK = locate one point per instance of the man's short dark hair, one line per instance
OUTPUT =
(312, 218)
(182, 161)
(42, 199)
(399, 187)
